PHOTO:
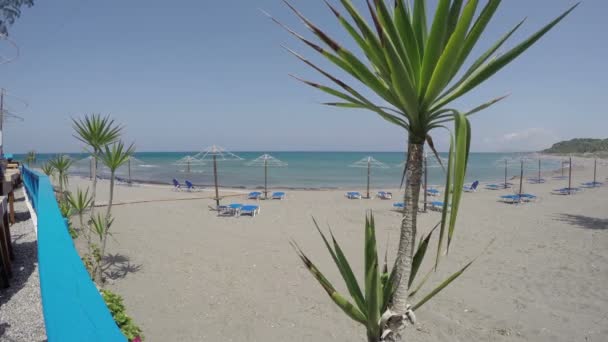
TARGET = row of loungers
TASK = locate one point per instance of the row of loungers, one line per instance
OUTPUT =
(256, 195)
(238, 209)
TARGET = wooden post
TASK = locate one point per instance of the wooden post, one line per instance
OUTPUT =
(217, 194)
(505, 174)
(129, 162)
(11, 205)
(521, 179)
(570, 177)
(539, 170)
(5, 240)
(594, 171)
(369, 171)
(265, 178)
(7, 232)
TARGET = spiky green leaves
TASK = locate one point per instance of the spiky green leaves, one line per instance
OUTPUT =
(409, 65)
(96, 131)
(116, 155)
(80, 202)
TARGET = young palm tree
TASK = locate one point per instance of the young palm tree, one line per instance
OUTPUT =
(30, 158)
(96, 132)
(61, 164)
(48, 169)
(100, 226)
(416, 70)
(80, 203)
(115, 156)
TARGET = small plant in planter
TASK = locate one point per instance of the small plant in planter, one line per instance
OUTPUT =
(124, 321)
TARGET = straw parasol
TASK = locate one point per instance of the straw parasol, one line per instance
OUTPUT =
(369, 163)
(132, 161)
(266, 160)
(188, 162)
(216, 153)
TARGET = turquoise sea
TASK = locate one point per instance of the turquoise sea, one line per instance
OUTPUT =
(310, 170)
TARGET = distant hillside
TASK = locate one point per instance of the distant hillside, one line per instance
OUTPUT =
(579, 146)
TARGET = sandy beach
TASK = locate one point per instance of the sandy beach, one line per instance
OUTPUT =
(188, 275)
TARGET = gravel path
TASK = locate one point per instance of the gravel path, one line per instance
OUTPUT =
(20, 306)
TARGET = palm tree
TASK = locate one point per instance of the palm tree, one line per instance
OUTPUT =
(80, 203)
(48, 169)
(30, 158)
(416, 70)
(115, 156)
(100, 226)
(96, 132)
(61, 164)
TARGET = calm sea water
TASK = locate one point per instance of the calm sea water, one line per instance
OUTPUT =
(308, 169)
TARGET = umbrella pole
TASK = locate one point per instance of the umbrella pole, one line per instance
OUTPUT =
(521, 178)
(129, 162)
(562, 169)
(505, 174)
(265, 179)
(539, 170)
(570, 176)
(91, 169)
(188, 167)
(594, 171)
(217, 195)
(426, 184)
(369, 171)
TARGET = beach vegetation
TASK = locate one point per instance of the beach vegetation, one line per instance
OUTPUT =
(96, 132)
(80, 203)
(30, 158)
(579, 145)
(113, 157)
(117, 308)
(61, 164)
(48, 169)
(10, 10)
(416, 68)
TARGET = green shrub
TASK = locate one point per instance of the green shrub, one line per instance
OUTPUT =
(124, 322)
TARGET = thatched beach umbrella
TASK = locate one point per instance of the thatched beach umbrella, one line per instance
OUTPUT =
(88, 160)
(216, 153)
(132, 162)
(188, 162)
(369, 163)
(266, 160)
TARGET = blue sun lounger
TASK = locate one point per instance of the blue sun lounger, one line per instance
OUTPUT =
(536, 180)
(176, 185)
(498, 186)
(254, 195)
(278, 195)
(565, 191)
(472, 187)
(385, 195)
(353, 195)
(517, 198)
(249, 209)
(233, 209)
(436, 205)
(592, 184)
(399, 205)
(191, 187)
(432, 192)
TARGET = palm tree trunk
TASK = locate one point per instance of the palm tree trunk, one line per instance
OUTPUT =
(405, 253)
(94, 184)
(111, 196)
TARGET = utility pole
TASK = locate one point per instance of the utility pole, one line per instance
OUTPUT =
(1, 123)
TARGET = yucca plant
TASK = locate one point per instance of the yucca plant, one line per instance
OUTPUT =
(61, 164)
(48, 169)
(30, 158)
(80, 203)
(113, 157)
(416, 71)
(96, 132)
(100, 227)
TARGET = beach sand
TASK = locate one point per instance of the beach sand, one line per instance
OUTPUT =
(188, 275)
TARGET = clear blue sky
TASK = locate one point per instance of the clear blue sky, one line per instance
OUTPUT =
(183, 75)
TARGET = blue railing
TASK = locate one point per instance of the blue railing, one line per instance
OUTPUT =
(72, 306)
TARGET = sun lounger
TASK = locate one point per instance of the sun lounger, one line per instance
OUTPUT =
(176, 185)
(353, 195)
(472, 187)
(518, 198)
(432, 192)
(436, 205)
(233, 209)
(384, 195)
(399, 205)
(278, 195)
(498, 186)
(592, 184)
(191, 187)
(256, 195)
(251, 210)
(536, 180)
(565, 191)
